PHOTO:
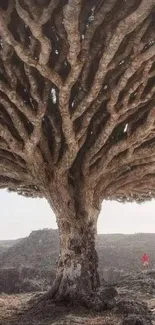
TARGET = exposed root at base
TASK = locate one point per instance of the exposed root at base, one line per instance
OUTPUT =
(98, 301)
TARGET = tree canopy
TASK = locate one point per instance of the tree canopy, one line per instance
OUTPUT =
(77, 94)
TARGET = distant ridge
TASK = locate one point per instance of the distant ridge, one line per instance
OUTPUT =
(5, 244)
(41, 249)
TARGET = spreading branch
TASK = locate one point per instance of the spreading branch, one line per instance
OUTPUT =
(77, 98)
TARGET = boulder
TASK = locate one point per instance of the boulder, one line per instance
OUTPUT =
(125, 306)
(136, 320)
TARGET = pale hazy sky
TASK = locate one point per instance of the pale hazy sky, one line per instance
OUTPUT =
(19, 216)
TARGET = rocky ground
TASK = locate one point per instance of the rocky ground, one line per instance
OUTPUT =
(13, 311)
(128, 308)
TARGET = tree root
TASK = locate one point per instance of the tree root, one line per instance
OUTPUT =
(97, 301)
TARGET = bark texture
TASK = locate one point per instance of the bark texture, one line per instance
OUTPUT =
(77, 114)
(77, 275)
(78, 262)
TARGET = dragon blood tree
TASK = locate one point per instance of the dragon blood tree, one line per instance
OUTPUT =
(77, 116)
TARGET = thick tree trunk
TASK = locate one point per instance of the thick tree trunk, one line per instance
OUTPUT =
(77, 275)
(78, 261)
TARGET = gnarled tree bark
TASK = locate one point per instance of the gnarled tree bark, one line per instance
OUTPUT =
(77, 267)
(78, 260)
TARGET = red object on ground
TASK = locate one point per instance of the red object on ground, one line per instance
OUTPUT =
(145, 258)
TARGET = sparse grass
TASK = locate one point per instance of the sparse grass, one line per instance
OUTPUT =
(10, 305)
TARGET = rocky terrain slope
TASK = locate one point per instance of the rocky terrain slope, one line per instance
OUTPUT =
(5, 244)
(28, 264)
(41, 249)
